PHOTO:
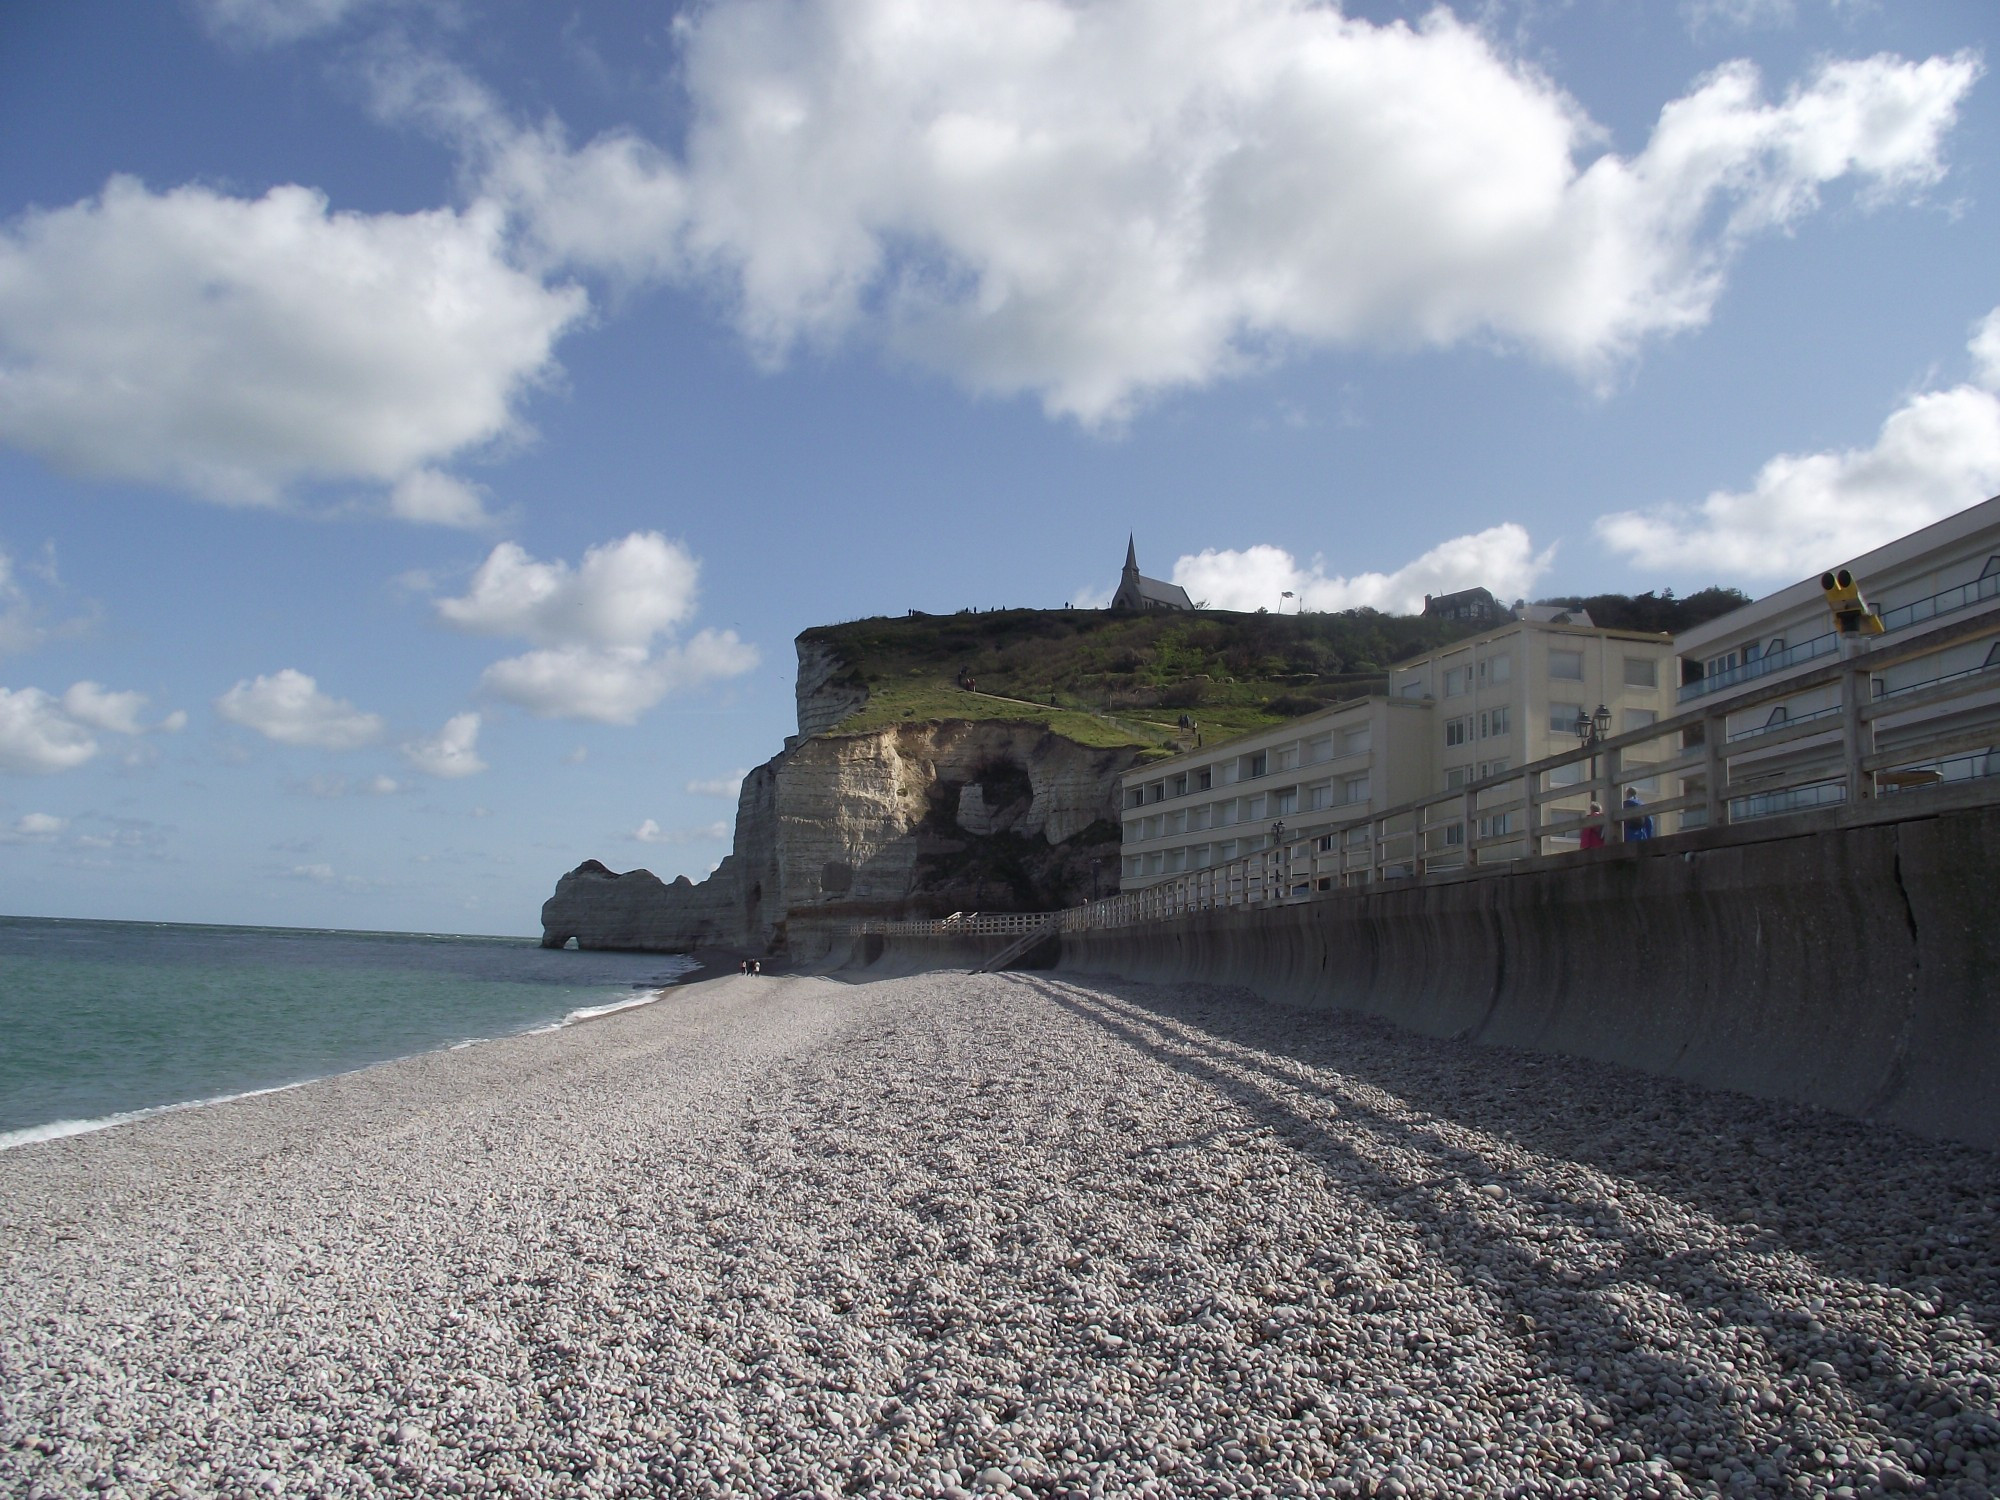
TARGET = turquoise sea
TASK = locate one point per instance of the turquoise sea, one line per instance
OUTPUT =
(100, 1021)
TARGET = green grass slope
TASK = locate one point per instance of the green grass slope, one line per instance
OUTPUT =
(1121, 679)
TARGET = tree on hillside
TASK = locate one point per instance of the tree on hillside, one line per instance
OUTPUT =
(1660, 612)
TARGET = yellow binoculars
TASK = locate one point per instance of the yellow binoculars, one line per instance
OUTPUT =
(1851, 614)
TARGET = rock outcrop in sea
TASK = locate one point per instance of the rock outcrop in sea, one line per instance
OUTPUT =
(915, 819)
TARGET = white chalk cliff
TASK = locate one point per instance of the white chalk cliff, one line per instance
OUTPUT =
(916, 819)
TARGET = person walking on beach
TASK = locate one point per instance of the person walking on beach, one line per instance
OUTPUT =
(1640, 827)
(1591, 836)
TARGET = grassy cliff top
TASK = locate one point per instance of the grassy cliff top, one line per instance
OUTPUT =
(1121, 679)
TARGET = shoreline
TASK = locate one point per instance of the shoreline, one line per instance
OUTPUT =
(64, 1129)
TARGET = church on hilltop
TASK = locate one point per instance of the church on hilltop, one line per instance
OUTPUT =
(1135, 592)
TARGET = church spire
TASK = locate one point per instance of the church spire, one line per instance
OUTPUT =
(1131, 553)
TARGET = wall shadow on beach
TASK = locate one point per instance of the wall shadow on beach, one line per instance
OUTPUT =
(1764, 1174)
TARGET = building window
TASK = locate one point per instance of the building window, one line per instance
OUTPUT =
(1320, 796)
(1256, 765)
(1288, 758)
(1204, 779)
(1319, 748)
(1565, 666)
(1640, 718)
(1454, 836)
(1159, 791)
(1729, 661)
(1354, 789)
(1458, 731)
(1497, 669)
(1180, 785)
(1642, 672)
(1497, 826)
(1457, 680)
(1135, 796)
(1455, 778)
(1286, 801)
(1357, 741)
(1495, 722)
(1491, 768)
(1563, 717)
(1414, 688)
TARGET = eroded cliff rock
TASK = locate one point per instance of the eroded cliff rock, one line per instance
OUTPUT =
(826, 689)
(917, 819)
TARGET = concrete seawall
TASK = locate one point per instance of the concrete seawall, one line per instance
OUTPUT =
(1839, 962)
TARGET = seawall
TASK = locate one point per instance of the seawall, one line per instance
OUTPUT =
(1831, 960)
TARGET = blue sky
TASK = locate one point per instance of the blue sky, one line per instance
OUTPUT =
(424, 424)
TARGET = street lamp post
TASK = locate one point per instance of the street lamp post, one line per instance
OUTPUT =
(1592, 730)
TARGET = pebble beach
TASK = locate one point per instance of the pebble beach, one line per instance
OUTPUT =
(996, 1234)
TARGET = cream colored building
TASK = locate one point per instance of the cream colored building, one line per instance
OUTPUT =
(1514, 695)
(1316, 775)
(1473, 709)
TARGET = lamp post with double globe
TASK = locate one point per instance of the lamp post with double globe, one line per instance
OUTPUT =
(1593, 729)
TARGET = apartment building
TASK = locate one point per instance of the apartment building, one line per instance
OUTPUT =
(1469, 710)
(1515, 695)
(1945, 570)
(1315, 775)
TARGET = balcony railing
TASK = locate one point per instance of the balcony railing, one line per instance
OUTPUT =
(1763, 666)
(1917, 612)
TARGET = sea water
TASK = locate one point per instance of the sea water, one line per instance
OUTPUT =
(104, 1021)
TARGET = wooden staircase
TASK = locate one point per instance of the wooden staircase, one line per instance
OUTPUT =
(1021, 946)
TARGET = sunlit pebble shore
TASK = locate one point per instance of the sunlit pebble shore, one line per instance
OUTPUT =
(1002, 1234)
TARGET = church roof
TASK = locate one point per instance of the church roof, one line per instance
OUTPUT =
(1153, 591)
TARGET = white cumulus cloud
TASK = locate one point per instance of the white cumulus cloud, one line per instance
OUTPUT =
(288, 707)
(37, 737)
(719, 786)
(438, 499)
(1805, 512)
(40, 732)
(1985, 348)
(650, 832)
(1093, 202)
(604, 628)
(623, 593)
(1501, 558)
(452, 752)
(237, 347)
(95, 706)
(34, 828)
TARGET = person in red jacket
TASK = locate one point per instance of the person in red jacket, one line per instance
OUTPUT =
(1592, 834)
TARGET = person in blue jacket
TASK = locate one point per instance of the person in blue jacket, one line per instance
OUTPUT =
(1640, 827)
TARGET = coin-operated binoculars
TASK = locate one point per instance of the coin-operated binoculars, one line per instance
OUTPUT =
(1851, 614)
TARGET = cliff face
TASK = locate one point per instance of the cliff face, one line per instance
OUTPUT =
(825, 691)
(916, 819)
